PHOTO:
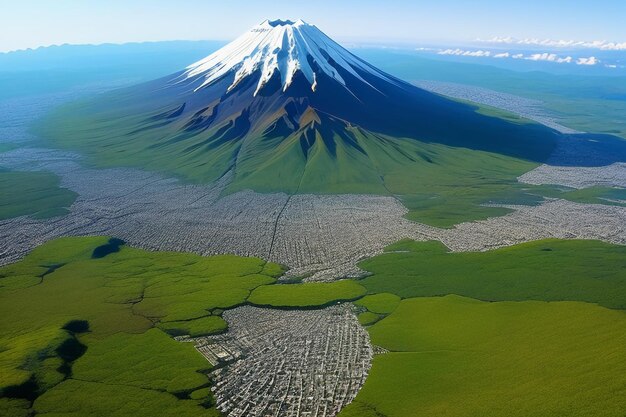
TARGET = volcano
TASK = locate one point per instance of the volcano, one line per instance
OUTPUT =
(286, 108)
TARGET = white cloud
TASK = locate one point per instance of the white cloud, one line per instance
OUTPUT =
(542, 57)
(603, 45)
(537, 57)
(549, 57)
(592, 60)
(461, 52)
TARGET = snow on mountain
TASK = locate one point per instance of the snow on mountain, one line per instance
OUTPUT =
(285, 47)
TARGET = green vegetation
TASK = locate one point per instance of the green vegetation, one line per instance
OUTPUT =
(598, 195)
(308, 294)
(454, 356)
(78, 398)
(465, 357)
(442, 182)
(377, 306)
(86, 326)
(36, 194)
(166, 365)
(548, 270)
(496, 112)
(366, 318)
(455, 184)
(195, 328)
(12, 407)
(78, 325)
(592, 195)
(592, 112)
(383, 303)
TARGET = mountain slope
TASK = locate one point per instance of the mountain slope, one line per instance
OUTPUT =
(285, 108)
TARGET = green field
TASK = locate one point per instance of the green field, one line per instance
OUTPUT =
(383, 303)
(454, 356)
(513, 354)
(35, 194)
(115, 361)
(368, 318)
(308, 294)
(593, 195)
(376, 306)
(548, 270)
(195, 328)
(87, 323)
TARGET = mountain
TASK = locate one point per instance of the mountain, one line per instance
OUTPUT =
(285, 108)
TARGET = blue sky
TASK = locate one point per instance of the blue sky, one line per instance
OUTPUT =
(33, 23)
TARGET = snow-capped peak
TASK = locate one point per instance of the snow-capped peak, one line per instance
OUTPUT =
(280, 45)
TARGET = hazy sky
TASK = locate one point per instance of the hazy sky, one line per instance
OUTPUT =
(33, 23)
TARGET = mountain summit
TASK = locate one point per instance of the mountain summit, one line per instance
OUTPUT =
(284, 47)
(286, 108)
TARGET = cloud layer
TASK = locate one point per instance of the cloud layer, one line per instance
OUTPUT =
(592, 60)
(603, 45)
(460, 52)
(545, 56)
(550, 57)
